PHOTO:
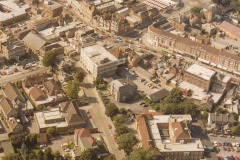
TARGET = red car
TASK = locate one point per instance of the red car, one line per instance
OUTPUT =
(219, 144)
(220, 157)
(236, 158)
(228, 148)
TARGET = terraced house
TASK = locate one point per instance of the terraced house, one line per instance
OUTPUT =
(204, 53)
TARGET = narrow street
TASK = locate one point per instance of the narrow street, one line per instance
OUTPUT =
(102, 121)
(21, 75)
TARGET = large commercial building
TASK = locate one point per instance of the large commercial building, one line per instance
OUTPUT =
(199, 76)
(11, 12)
(52, 8)
(207, 54)
(168, 136)
(98, 60)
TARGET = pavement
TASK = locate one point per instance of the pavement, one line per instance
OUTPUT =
(56, 144)
(100, 119)
(22, 75)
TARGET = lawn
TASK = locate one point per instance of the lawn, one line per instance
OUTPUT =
(35, 149)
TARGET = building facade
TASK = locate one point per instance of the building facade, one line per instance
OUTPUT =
(12, 49)
(214, 57)
(98, 61)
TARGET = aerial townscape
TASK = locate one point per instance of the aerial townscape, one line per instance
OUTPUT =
(119, 79)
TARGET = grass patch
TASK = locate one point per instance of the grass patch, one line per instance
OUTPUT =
(35, 149)
(71, 145)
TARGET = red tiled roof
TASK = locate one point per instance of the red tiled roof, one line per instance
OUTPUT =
(230, 28)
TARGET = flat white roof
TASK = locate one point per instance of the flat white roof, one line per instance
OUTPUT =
(15, 10)
(98, 53)
(201, 71)
(170, 147)
(54, 112)
(197, 92)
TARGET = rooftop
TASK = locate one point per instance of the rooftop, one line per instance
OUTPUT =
(201, 71)
(230, 28)
(51, 114)
(99, 55)
(13, 9)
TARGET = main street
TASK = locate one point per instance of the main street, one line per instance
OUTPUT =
(100, 118)
(22, 75)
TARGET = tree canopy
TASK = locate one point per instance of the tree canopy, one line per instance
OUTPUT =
(236, 5)
(111, 110)
(122, 129)
(196, 10)
(89, 154)
(236, 129)
(79, 76)
(49, 58)
(141, 154)
(174, 103)
(73, 87)
(222, 2)
(12, 156)
(118, 120)
(50, 132)
(126, 142)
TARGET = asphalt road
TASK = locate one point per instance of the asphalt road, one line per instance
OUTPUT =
(21, 75)
(102, 121)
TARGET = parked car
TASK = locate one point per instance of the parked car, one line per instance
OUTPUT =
(224, 148)
(109, 126)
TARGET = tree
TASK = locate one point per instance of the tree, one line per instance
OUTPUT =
(111, 110)
(126, 142)
(141, 154)
(122, 129)
(118, 120)
(79, 76)
(40, 155)
(57, 155)
(73, 87)
(32, 156)
(48, 154)
(12, 156)
(50, 132)
(24, 151)
(174, 103)
(236, 129)
(110, 157)
(196, 10)
(31, 139)
(49, 58)
(89, 154)
(236, 5)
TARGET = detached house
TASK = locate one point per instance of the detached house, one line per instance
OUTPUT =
(84, 139)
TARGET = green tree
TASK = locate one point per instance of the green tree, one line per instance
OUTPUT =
(32, 156)
(40, 155)
(122, 129)
(141, 154)
(118, 120)
(49, 58)
(111, 110)
(50, 132)
(236, 5)
(123, 111)
(48, 154)
(24, 151)
(89, 154)
(24, 63)
(174, 103)
(57, 155)
(31, 139)
(196, 10)
(236, 129)
(126, 142)
(110, 157)
(73, 87)
(12, 156)
(79, 76)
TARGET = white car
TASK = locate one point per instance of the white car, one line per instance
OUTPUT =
(67, 150)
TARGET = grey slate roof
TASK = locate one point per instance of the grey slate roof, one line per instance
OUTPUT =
(35, 41)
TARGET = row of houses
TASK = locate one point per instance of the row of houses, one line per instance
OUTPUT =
(113, 17)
